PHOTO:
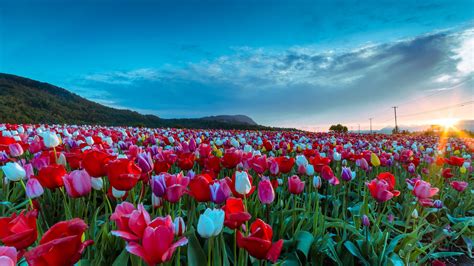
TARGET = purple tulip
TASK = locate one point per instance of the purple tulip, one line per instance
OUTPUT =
(158, 185)
(365, 220)
(145, 162)
(220, 191)
(346, 174)
(438, 204)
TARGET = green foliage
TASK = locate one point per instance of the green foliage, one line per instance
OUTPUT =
(338, 128)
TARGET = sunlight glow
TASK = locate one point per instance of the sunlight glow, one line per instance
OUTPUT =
(447, 123)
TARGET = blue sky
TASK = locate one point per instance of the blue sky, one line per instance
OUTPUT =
(284, 63)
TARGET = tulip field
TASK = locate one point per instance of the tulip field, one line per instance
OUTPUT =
(92, 195)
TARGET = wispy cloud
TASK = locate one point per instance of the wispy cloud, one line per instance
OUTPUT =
(275, 86)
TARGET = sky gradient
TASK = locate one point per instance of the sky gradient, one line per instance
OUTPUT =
(302, 64)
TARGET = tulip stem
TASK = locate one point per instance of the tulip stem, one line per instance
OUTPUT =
(235, 247)
(24, 187)
(209, 247)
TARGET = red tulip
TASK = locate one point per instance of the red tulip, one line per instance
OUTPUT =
(295, 185)
(123, 174)
(161, 167)
(258, 163)
(131, 222)
(157, 244)
(380, 190)
(60, 245)
(51, 176)
(328, 174)
(455, 161)
(447, 173)
(95, 162)
(231, 158)
(259, 243)
(285, 164)
(235, 214)
(19, 231)
(200, 189)
(186, 161)
(459, 185)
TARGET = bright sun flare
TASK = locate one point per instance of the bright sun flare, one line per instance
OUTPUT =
(447, 123)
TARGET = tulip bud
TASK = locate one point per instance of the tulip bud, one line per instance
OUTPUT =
(158, 185)
(179, 226)
(266, 194)
(33, 188)
(156, 202)
(438, 204)
(62, 159)
(346, 174)
(414, 214)
(13, 171)
(242, 183)
(15, 149)
(210, 223)
(97, 183)
(365, 221)
(316, 182)
(374, 160)
(390, 218)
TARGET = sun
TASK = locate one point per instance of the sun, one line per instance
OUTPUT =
(447, 123)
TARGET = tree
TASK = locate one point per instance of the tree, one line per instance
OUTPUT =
(338, 128)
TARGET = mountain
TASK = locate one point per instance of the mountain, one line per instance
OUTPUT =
(241, 119)
(23, 100)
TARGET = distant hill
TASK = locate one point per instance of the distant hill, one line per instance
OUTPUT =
(23, 100)
(242, 119)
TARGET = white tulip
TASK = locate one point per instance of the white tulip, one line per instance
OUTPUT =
(210, 223)
(13, 171)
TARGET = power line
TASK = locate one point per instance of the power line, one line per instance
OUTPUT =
(436, 92)
(439, 109)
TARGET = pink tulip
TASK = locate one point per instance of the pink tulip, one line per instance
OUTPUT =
(15, 150)
(295, 185)
(459, 185)
(33, 188)
(131, 222)
(423, 191)
(8, 256)
(77, 183)
(266, 194)
(157, 244)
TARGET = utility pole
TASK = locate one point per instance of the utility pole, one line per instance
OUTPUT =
(395, 112)
(370, 125)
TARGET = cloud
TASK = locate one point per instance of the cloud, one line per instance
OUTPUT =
(124, 77)
(300, 84)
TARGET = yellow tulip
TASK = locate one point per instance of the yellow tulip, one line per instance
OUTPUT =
(219, 153)
(374, 160)
(462, 170)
